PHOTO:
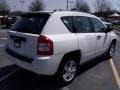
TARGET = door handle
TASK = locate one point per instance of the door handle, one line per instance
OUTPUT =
(99, 37)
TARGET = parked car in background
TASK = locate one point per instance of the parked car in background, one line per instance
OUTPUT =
(1, 19)
(108, 24)
(55, 43)
(101, 18)
(116, 22)
(12, 20)
(110, 20)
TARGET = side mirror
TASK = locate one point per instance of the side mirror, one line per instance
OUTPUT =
(109, 29)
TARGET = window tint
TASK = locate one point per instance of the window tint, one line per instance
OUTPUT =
(30, 23)
(82, 24)
(68, 22)
(98, 25)
(78, 24)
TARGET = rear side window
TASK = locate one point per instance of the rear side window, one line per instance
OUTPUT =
(68, 21)
(31, 23)
(82, 24)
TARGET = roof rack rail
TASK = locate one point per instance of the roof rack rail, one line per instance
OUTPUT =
(59, 10)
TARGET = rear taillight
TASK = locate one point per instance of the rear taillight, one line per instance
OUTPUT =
(45, 46)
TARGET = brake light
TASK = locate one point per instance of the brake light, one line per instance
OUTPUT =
(45, 46)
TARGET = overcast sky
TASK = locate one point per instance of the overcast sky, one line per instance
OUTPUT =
(55, 4)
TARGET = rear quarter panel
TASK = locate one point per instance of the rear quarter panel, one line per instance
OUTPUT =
(64, 43)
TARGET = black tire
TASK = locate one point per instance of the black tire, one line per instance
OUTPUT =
(64, 69)
(111, 51)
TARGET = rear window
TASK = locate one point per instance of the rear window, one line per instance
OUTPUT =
(31, 23)
(68, 21)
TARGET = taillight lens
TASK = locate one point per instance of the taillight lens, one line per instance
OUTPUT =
(45, 46)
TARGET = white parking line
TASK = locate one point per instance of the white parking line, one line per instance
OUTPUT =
(9, 74)
(66, 88)
(3, 38)
(115, 72)
(2, 45)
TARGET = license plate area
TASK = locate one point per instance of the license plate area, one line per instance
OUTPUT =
(17, 43)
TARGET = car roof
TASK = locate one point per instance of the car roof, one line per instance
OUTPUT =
(38, 12)
(63, 13)
(76, 13)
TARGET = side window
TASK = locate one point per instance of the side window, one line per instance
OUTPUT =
(68, 22)
(98, 25)
(78, 24)
(82, 24)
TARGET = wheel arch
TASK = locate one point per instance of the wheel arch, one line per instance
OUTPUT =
(76, 54)
(114, 41)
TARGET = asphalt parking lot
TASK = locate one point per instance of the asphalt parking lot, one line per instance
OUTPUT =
(99, 74)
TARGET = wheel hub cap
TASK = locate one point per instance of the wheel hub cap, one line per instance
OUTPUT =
(112, 50)
(69, 71)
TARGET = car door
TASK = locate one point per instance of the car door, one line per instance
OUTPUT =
(101, 36)
(86, 37)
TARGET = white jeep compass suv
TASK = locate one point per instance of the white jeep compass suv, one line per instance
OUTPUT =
(55, 43)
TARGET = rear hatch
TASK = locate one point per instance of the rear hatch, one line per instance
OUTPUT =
(23, 37)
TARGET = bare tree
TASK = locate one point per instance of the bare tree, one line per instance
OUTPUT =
(103, 5)
(4, 7)
(108, 6)
(36, 5)
(82, 5)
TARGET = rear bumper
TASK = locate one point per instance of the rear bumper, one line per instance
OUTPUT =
(44, 65)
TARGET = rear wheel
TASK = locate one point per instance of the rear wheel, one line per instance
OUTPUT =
(67, 70)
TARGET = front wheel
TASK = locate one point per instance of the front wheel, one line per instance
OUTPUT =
(111, 50)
